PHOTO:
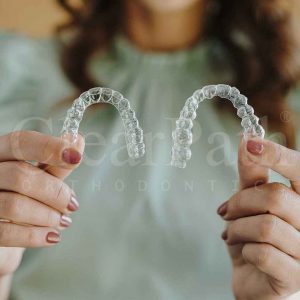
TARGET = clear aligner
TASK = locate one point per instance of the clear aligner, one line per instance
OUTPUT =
(183, 136)
(133, 132)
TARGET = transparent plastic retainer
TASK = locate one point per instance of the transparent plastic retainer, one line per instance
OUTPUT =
(133, 132)
(183, 136)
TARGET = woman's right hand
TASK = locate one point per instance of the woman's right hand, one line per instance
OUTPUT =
(35, 203)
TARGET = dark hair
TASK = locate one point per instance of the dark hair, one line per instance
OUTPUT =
(259, 38)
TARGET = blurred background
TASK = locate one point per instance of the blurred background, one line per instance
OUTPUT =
(37, 18)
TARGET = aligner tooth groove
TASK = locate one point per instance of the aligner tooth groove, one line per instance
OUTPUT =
(133, 132)
(182, 135)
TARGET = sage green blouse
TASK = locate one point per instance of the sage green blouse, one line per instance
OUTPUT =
(145, 230)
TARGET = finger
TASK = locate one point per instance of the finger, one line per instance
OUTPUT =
(274, 263)
(274, 198)
(22, 209)
(250, 173)
(10, 259)
(23, 178)
(70, 154)
(35, 146)
(14, 235)
(276, 157)
(265, 229)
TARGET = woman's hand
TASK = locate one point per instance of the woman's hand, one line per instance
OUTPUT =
(263, 223)
(35, 203)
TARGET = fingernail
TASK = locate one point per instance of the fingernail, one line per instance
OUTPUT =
(43, 166)
(71, 156)
(255, 147)
(53, 237)
(73, 204)
(65, 221)
(222, 210)
(224, 235)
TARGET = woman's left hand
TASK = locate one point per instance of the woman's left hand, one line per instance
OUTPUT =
(263, 226)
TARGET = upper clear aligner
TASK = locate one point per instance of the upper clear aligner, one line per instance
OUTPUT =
(182, 135)
(133, 132)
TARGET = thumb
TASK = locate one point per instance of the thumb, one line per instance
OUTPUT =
(72, 152)
(250, 174)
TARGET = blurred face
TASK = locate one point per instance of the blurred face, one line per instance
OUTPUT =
(167, 6)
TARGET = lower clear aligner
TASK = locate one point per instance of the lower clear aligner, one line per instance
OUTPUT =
(183, 136)
(133, 132)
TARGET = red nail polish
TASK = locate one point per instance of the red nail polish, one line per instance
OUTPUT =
(222, 210)
(43, 166)
(53, 237)
(71, 156)
(255, 147)
(65, 221)
(224, 235)
(73, 204)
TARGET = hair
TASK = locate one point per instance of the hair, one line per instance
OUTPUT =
(259, 38)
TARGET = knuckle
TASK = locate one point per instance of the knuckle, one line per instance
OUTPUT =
(20, 174)
(32, 237)
(276, 197)
(15, 138)
(13, 207)
(17, 173)
(267, 227)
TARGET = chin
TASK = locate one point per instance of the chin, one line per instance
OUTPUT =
(167, 6)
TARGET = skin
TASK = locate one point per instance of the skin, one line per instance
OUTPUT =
(154, 25)
(262, 231)
(34, 195)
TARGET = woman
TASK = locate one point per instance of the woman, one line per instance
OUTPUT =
(145, 230)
